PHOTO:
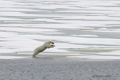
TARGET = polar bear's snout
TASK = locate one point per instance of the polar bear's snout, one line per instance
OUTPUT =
(52, 44)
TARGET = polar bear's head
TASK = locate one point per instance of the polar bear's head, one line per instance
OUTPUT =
(49, 44)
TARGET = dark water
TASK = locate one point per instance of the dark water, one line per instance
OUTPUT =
(88, 27)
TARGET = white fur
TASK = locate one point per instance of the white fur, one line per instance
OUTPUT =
(48, 44)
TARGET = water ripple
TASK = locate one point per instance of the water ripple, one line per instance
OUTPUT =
(76, 26)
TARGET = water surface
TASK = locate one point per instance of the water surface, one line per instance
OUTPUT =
(85, 27)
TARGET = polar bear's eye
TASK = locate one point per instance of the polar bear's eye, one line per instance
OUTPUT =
(52, 42)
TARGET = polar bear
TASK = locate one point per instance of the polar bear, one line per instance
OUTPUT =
(47, 44)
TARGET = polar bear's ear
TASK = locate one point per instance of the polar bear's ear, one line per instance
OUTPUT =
(50, 41)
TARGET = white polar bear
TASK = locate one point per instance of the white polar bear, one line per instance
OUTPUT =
(48, 44)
